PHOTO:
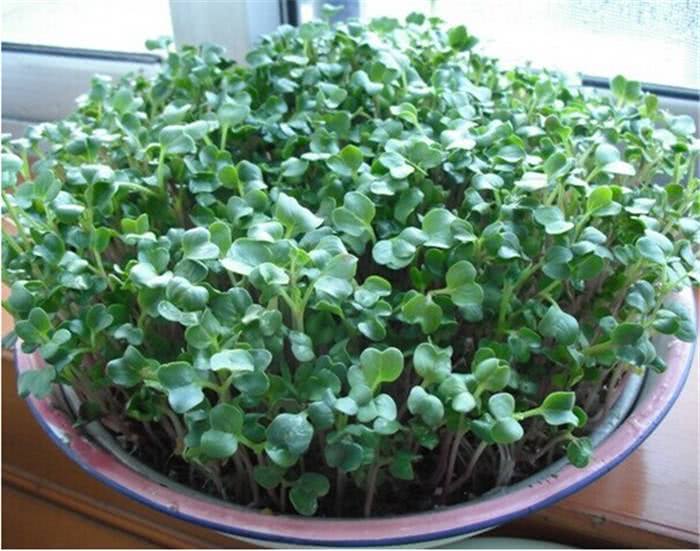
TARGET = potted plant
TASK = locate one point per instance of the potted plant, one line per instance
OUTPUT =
(370, 274)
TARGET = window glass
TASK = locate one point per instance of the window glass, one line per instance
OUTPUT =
(645, 40)
(121, 26)
(656, 41)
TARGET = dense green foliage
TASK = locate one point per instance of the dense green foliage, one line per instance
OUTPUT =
(370, 268)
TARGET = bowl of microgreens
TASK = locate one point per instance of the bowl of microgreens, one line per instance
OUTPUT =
(366, 289)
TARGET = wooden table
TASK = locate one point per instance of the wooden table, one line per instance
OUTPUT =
(651, 500)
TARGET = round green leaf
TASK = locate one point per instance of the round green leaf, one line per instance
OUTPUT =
(432, 363)
(290, 432)
(218, 445)
(506, 431)
(502, 405)
(383, 366)
(579, 452)
(344, 455)
(559, 325)
(557, 408)
(428, 407)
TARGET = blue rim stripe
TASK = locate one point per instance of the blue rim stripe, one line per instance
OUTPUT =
(445, 534)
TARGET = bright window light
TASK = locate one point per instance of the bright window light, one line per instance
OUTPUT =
(121, 26)
(655, 41)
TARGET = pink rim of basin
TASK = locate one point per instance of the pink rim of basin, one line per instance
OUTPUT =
(399, 530)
